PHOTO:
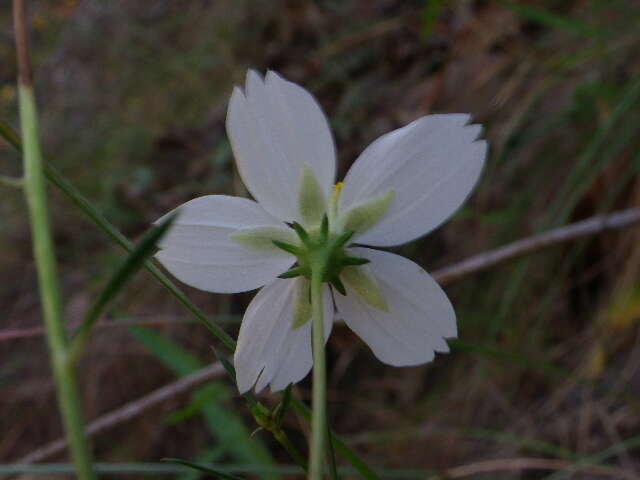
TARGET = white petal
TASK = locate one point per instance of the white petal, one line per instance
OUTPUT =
(198, 251)
(270, 350)
(420, 315)
(275, 128)
(432, 165)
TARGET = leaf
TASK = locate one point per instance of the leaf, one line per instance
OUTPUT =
(202, 468)
(222, 422)
(123, 274)
(10, 136)
(107, 227)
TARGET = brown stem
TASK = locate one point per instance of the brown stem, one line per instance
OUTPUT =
(22, 43)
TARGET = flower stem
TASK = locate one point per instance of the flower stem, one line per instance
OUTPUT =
(319, 416)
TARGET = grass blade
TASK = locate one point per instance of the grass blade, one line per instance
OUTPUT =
(202, 468)
(227, 427)
(129, 267)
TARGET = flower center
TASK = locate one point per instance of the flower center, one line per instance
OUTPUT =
(322, 250)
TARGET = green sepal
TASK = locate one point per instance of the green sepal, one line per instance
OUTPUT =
(324, 228)
(302, 233)
(366, 286)
(337, 283)
(293, 273)
(301, 303)
(355, 261)
(343, 239)
(364, 216)
(311, 199)
(287, 247)
(262, 239)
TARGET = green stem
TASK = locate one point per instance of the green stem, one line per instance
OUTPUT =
(291, 449)
(63, 371)
(319, 416)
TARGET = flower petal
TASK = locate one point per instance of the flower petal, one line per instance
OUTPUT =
(270, 349)
(419, 313)
(275, 128)
(198, 249)
(432, 165)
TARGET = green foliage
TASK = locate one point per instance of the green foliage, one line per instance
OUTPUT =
(133, 262)
(201, 468)
(227, 427)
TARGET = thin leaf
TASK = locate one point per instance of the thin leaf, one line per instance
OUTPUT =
(123, 274)
(202, 468)
(107, 227)
(10, 136)
(222, 422)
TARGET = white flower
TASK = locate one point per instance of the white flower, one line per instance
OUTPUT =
(404, 185)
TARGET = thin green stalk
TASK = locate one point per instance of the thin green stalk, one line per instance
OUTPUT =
(36, 197)
(339, 446)
(319, 415)
(63, 370)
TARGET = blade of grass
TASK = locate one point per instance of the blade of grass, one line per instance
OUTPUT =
(202, 468)
(125, 272)
(107, 227)
(228, 428)
(210, 455)
(168, 469)
(559, 212)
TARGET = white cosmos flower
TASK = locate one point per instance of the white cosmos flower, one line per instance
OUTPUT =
(404, 185)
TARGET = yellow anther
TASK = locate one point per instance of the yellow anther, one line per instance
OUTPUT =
(332, 211)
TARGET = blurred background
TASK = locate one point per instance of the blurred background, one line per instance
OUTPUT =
(133, 98)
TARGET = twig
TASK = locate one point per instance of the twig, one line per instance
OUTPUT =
(131, 410)
(531, 464)
(584, 228)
